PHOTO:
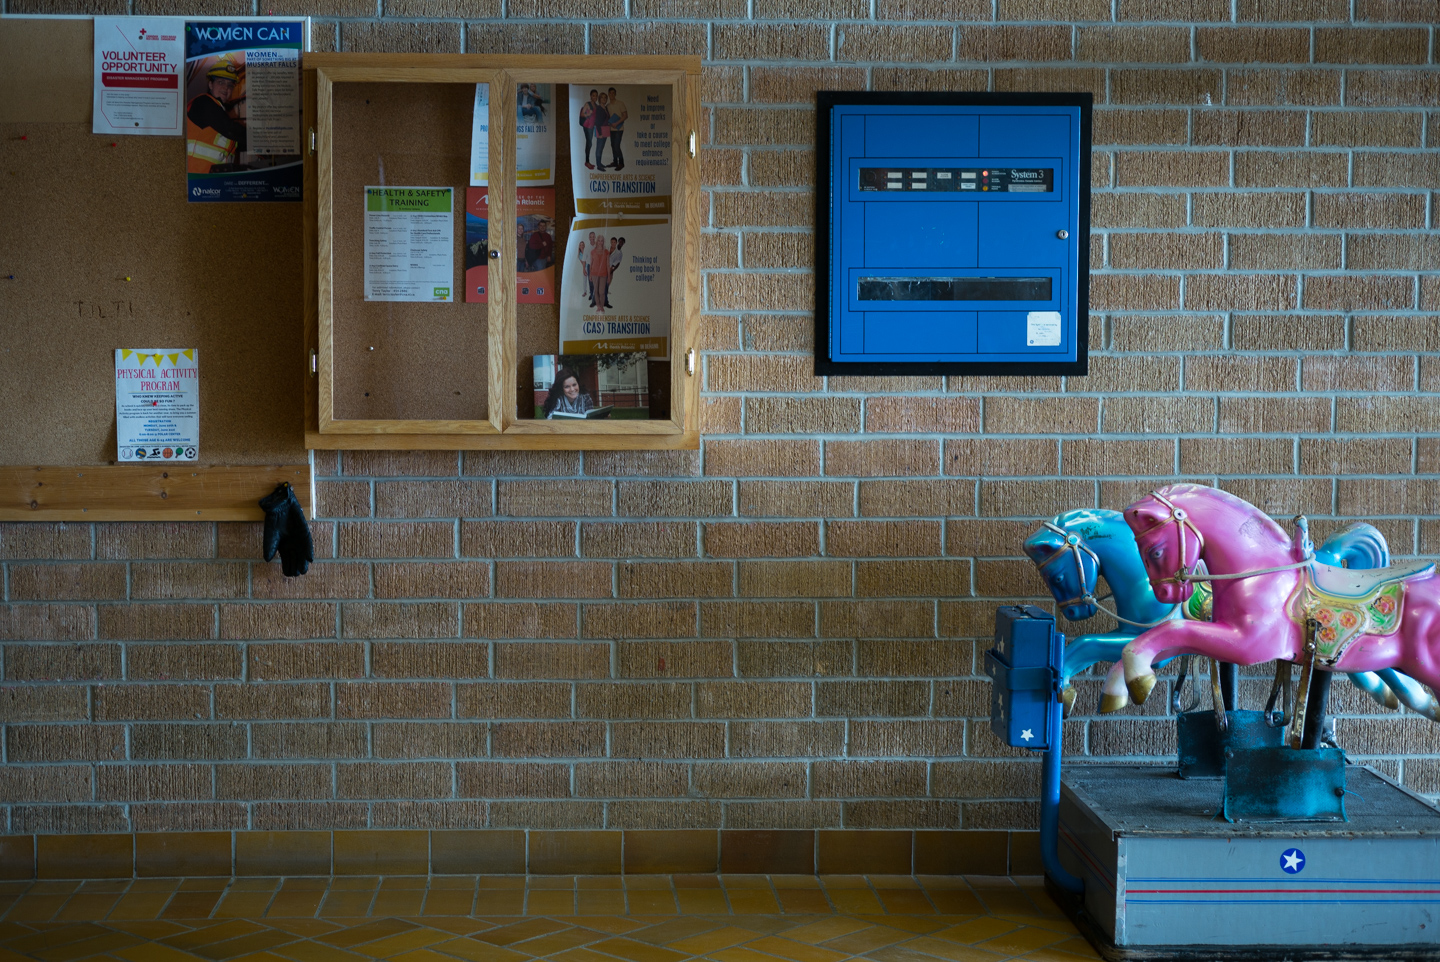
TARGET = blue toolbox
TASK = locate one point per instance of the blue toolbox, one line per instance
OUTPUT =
(1025, 666)
(956, 232)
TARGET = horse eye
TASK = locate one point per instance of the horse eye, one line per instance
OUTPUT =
(1157, 553)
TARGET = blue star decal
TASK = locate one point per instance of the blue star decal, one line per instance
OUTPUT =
(1292, 861)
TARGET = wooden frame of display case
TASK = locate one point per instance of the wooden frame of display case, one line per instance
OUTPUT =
(502, 427)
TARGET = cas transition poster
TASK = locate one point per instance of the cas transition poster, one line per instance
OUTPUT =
(409, 244)
(534, 136)
(242, 109)
(620, 148)
(615, 288)
(534, 239)
(157, 404)
(138, 67)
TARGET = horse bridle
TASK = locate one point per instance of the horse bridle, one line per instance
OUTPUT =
(1072, 546)
(1178, 516)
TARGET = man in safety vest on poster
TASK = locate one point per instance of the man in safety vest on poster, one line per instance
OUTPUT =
(212, 135)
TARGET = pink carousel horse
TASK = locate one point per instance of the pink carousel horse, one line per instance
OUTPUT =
(1266, 586)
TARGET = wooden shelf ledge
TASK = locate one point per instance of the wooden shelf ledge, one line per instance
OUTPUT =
(145, 492)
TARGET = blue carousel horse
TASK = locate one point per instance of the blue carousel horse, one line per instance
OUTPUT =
(1074, 549)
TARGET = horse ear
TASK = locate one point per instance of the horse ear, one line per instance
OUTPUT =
(1145, 514)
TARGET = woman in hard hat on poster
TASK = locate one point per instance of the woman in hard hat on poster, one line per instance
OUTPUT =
(213, 137)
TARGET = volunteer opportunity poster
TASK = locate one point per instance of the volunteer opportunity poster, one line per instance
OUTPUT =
(534, 238)
(615, 288)
(138, 64)
(242, 109)
(534, 136)
(620, 147)
(409, 243)
(157, 404)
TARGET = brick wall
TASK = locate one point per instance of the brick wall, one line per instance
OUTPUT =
(778, 631)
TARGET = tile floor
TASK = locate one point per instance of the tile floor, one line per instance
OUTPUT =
(634, 918)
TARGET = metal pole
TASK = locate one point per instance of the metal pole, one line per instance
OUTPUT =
(1315, 711)
(1229, 683)
(1050, 806)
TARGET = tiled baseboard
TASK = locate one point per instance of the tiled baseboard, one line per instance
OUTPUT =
(518, 852)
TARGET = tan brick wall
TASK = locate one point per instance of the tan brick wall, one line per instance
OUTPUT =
(782, 629)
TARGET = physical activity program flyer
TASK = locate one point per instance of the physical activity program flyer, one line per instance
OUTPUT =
(157, 404)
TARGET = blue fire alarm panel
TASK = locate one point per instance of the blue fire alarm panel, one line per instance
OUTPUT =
(957, 228)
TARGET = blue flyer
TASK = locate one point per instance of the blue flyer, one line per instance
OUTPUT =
(242, 109)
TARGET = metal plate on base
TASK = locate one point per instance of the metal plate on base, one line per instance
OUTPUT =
(1284, 784)
(1203, 744)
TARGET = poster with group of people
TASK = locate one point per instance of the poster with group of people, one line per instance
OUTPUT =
(615, 291)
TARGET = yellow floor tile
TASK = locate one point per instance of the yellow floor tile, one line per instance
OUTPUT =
(953, 951)
(956, 953)
(977, 930)
(956, 901)
(550, 902)
(702, 901)
(746, 882)
(311, 951)
(741, 953)
(803, 901)
(366, 932)
(451, 901)
(84, 906)
(637, 951)
(752, 901)
(473, 950)
(855, 901)
(599, 902)
(905, 901)
(708, 942)
(826, 929)
(153, 952)
(36, 908)
(393, 945)
(651, 902)
(867, 939)
(244, 904)
(405, 901)
(1023, 940)
(798, 951)
(613, 924)
(580, 955)
(499, 901)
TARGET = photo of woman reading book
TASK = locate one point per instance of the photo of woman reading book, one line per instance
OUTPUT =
(565, 395)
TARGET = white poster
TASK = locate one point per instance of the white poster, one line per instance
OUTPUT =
(534, 136)
(157, 404)
(409, 243)
(620, 148)
(615, 286)
(138, 64)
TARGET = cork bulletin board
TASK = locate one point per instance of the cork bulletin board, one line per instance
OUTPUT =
(101, 250)
(422, 361)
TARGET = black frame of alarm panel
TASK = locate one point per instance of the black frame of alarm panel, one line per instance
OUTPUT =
(824, 197)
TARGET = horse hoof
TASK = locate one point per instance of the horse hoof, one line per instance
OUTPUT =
(1067, 699)
(1391, 702)
(1140, 687)
(1113, 703)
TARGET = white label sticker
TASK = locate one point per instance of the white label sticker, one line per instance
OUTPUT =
(1042, 329)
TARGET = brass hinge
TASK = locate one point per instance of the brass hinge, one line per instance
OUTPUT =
(690, 362)
(312, 141)
(314, 364)
(692, 143)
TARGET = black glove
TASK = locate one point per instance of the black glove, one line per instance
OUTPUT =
(286, 531)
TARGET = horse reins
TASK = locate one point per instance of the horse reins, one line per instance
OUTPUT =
(1073, 546)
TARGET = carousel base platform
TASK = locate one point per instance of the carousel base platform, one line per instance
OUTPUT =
(1166, 877)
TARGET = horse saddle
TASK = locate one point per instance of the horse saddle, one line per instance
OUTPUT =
(1350, 602)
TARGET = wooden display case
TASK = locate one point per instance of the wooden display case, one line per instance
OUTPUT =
(407, 375)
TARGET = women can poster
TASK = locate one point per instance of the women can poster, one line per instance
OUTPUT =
(534, 136)
(620, 148)
(615, 286)
(242, 109)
